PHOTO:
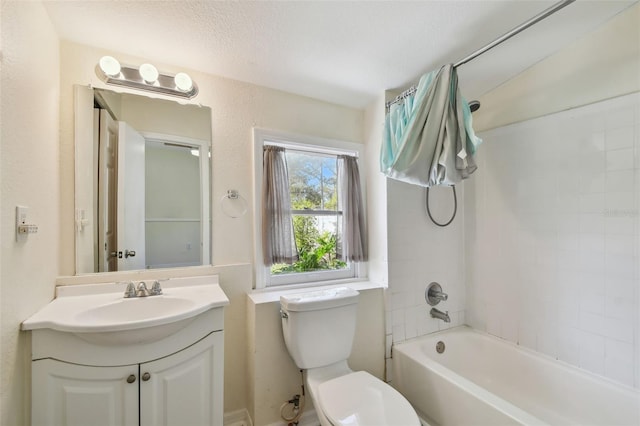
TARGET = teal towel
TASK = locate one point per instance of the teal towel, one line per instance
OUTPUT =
(429, 139)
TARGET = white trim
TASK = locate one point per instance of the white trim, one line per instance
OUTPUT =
(237, 418)
(162, 138)
(305, 143)
(312, 149)
(324, 276)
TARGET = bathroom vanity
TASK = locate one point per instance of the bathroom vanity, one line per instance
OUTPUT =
(100, 358)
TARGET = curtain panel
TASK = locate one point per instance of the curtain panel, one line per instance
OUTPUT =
(278, 242)
(353, 246)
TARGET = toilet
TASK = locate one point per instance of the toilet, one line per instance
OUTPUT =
(318, 328)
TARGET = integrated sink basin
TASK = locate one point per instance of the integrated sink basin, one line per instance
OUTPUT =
(135, 310)
(100, 314)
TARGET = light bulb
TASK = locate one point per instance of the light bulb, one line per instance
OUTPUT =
(195, 152)
(110, 66)
(149, 73)
(183, 82)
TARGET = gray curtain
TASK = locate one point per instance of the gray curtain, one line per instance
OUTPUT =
(278, 242)
(353, 246)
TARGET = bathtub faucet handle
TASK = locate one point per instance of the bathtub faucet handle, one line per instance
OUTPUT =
(434, 294)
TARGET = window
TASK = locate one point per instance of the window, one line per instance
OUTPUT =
(316, 213)
(315, 216)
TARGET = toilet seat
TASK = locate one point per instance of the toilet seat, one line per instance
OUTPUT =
(361, 399)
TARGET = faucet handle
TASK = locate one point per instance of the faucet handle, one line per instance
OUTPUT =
(142, 289)
(156, 290)
(130, 291)
(434, 294)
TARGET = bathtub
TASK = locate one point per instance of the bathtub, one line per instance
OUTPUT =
(483, 380)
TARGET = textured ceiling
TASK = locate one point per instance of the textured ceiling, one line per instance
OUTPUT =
(342, 52)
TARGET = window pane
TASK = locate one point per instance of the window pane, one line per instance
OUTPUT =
(313, 186)
(316, 239)
(312, 179)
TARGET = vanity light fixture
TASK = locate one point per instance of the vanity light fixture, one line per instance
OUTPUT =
(110, 66)
(149, 73)
(183, 82)
(145, 77)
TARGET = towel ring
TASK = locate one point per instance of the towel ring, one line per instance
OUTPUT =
(455, 208)
(233, 204)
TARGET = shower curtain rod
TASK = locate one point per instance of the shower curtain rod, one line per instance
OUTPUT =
(506, 36)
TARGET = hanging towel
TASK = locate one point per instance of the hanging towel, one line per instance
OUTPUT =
(428, 139)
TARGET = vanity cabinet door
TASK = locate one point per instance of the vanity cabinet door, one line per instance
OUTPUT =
(185, 388)
(76, 395)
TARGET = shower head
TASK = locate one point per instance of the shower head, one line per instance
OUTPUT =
(474, 106)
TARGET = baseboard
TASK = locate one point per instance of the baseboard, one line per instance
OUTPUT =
(308, 418)
(237, 418)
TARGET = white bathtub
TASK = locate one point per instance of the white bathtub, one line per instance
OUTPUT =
(483, 380)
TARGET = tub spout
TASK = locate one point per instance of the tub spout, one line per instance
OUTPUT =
(444, 316)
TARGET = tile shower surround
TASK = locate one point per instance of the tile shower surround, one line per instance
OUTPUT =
(546, 240)
(552, 234)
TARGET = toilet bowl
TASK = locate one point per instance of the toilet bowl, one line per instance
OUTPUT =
(318, 328)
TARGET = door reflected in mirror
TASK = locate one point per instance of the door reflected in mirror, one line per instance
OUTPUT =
(142, 182)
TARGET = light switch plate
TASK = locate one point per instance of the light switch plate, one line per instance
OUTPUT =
(21, 219)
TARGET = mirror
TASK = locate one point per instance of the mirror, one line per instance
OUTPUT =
(142, 184)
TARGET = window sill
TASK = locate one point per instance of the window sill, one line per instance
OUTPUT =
(272, 294)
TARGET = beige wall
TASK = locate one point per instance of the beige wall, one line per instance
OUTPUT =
(598, 66)
(376, 192)
(29, 170)
(236, 108)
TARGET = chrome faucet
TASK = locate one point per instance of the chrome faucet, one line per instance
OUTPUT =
(130, 291)
(434, 294)
(444, 316)
(141, 290)
(156, 290)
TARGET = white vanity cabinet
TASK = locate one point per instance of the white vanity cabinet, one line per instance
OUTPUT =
(80, 395)
(167, 371)
(180, 389)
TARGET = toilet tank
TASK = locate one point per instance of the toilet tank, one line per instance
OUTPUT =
(319, 325)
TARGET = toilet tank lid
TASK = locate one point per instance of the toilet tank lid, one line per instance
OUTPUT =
(319, 299)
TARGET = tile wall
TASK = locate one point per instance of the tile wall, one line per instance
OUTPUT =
(420, 252)
(552, 237)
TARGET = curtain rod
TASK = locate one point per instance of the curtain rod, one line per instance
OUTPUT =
(506, 36)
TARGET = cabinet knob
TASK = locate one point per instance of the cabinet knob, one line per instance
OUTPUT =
(131, 378)
(146, 376)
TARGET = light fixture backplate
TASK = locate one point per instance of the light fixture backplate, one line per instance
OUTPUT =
(130, 77)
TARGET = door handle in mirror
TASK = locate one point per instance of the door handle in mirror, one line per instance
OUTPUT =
(129, 253)
(117, 254)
